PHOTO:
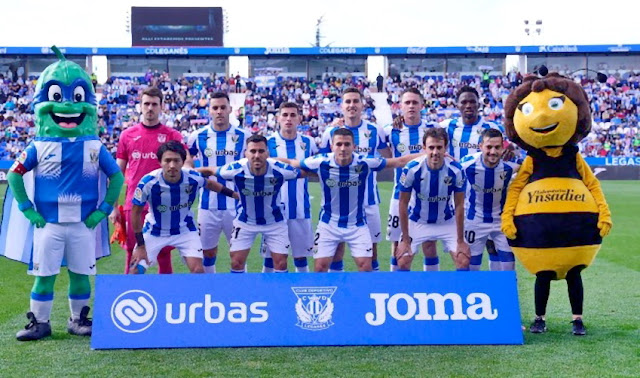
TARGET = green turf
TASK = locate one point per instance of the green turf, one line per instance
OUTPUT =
(611, 348)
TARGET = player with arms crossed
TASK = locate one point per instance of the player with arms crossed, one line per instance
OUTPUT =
(136, 156)
(170, 192)
(289, 144)
(259, 181)
(215, 145)
(404, 138)
(464, 139)
(369, 140)
(343, 175)
(426, 214)
(487, 180)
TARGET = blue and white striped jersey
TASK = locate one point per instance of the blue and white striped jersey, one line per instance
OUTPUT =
(66, 175)
(431, 190)
(343, 188)
(465, 140)
(259, 195)
(295, 194)
(169, 203)
(486, 189)
(368, 139)
(215, 149)
(404, 142)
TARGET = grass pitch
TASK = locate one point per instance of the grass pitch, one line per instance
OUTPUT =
(611, 348)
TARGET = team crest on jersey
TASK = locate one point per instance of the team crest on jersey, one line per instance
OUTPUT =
(208, 152)
(303, 146)
(162, 138)
(330, 182)
(93, 155)
(137, 194)
(358, 168)
(448, 180)
(162, 208)
(401, 147)
(235, 138)
(367, 134)
(273, 180)
(314, 307)
(188, 189)
(503, 175)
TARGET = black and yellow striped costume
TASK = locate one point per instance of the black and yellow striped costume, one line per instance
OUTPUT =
(555, 203)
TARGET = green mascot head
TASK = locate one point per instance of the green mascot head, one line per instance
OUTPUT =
(65, 102)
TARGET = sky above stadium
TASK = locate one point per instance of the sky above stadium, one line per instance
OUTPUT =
(292, 23)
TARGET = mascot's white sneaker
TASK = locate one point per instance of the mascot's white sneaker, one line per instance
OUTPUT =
(81, 326)
(34, 330)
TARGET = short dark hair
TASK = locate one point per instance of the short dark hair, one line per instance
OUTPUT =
(173, 146)
(257, 139)
(490, 133)
(289, 105)
(153, 92)
(353, 90)
(344, 132)
(414, 91)
(436, 133)
(467, 89)
(220, 95)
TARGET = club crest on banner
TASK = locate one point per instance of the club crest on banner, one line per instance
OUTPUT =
(314, 307)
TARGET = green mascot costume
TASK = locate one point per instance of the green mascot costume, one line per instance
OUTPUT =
(63, 202)
(555, 214)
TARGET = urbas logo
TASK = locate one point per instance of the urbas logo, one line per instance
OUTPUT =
(417, 307)
(134, 311)
(217, 312)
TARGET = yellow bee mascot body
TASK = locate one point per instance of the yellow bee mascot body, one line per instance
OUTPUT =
(555, 214)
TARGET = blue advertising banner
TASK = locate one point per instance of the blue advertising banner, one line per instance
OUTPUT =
(305, 309)
(613, 160)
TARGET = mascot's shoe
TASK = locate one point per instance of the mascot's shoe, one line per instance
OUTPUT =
(538, 326)
(81, 326)
(34, 330)
(578, 327)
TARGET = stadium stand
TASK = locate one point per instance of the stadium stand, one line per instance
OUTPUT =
(615, 104)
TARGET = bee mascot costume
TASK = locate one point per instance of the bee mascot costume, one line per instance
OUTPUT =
(555, 214)
(59, 183)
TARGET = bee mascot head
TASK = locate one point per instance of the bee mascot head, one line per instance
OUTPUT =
(548, 112)
(555, 214)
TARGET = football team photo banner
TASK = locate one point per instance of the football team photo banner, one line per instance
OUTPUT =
(305, 309)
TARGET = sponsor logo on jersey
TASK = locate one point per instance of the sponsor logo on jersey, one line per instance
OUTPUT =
(330, 182)
(162, 208)
(401, 147)
(314, 307)
(208, 152)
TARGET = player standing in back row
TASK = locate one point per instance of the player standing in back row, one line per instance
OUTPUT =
(464, 139)
(288, 143)
(215, 145)
(136, 156)
(369, 141)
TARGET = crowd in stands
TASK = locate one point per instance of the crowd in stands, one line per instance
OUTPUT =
(615, 105)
